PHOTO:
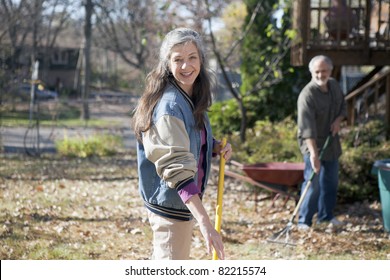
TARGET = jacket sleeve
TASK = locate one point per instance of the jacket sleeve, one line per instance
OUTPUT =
(167, 145)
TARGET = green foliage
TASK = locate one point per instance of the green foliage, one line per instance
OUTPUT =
(372, 134)
(82, 147)
(224, 117)
(267, 76)
(268, 142)
(362, 146)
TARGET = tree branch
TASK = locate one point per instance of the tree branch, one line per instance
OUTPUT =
(247, 29)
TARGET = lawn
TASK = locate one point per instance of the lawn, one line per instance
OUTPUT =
(59, 208)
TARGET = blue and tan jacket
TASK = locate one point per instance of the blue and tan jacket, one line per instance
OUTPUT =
(169, 153)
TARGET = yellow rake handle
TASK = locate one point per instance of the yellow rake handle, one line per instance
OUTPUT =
(218, 210)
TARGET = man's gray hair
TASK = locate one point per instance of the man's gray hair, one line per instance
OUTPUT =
(320, 57)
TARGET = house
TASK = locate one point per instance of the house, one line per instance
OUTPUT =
(61, 69)
(57, 65)
(360, 37)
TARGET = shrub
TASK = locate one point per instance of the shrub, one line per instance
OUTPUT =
(268, 142)
(225, 117)
(96, 145)
(362, 146)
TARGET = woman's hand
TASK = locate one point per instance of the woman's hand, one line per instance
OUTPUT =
(225, 151)
(213, 239)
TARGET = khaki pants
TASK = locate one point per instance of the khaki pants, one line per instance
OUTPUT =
(171, 238)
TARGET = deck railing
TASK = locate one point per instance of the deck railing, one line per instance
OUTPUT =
(371, 25)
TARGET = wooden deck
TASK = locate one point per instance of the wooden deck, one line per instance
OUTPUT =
(367, 42)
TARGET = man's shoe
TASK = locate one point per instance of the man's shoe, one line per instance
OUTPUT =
(336, 222)
(303, 227)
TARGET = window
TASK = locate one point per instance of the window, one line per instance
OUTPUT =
(60, 57)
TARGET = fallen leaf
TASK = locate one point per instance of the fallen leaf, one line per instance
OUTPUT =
(136, 231)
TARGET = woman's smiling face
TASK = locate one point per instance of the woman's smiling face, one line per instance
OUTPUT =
(184, 64)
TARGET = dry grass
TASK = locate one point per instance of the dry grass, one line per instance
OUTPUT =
(53, 208)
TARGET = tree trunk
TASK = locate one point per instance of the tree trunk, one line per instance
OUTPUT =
(87, 56)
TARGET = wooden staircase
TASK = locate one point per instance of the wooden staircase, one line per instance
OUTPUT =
(371, 99)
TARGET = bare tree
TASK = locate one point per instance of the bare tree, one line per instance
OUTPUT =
(15, 28)
(130, 29)
(55, 19)
(222, 64)
(27, 26)
(133, 28)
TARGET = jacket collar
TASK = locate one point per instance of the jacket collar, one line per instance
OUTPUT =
(186, 96)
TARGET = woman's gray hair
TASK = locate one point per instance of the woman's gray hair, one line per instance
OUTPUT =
(320, 57)
(176, 37)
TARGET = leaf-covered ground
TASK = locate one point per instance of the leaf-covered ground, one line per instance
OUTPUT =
(52, 208)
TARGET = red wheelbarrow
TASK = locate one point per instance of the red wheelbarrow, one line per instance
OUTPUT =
(280, 178)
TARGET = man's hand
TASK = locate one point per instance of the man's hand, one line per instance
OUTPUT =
(315, 163)
(336, 126)
(314, 159)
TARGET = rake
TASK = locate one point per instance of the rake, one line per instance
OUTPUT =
(218, 210)
(278, 236)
